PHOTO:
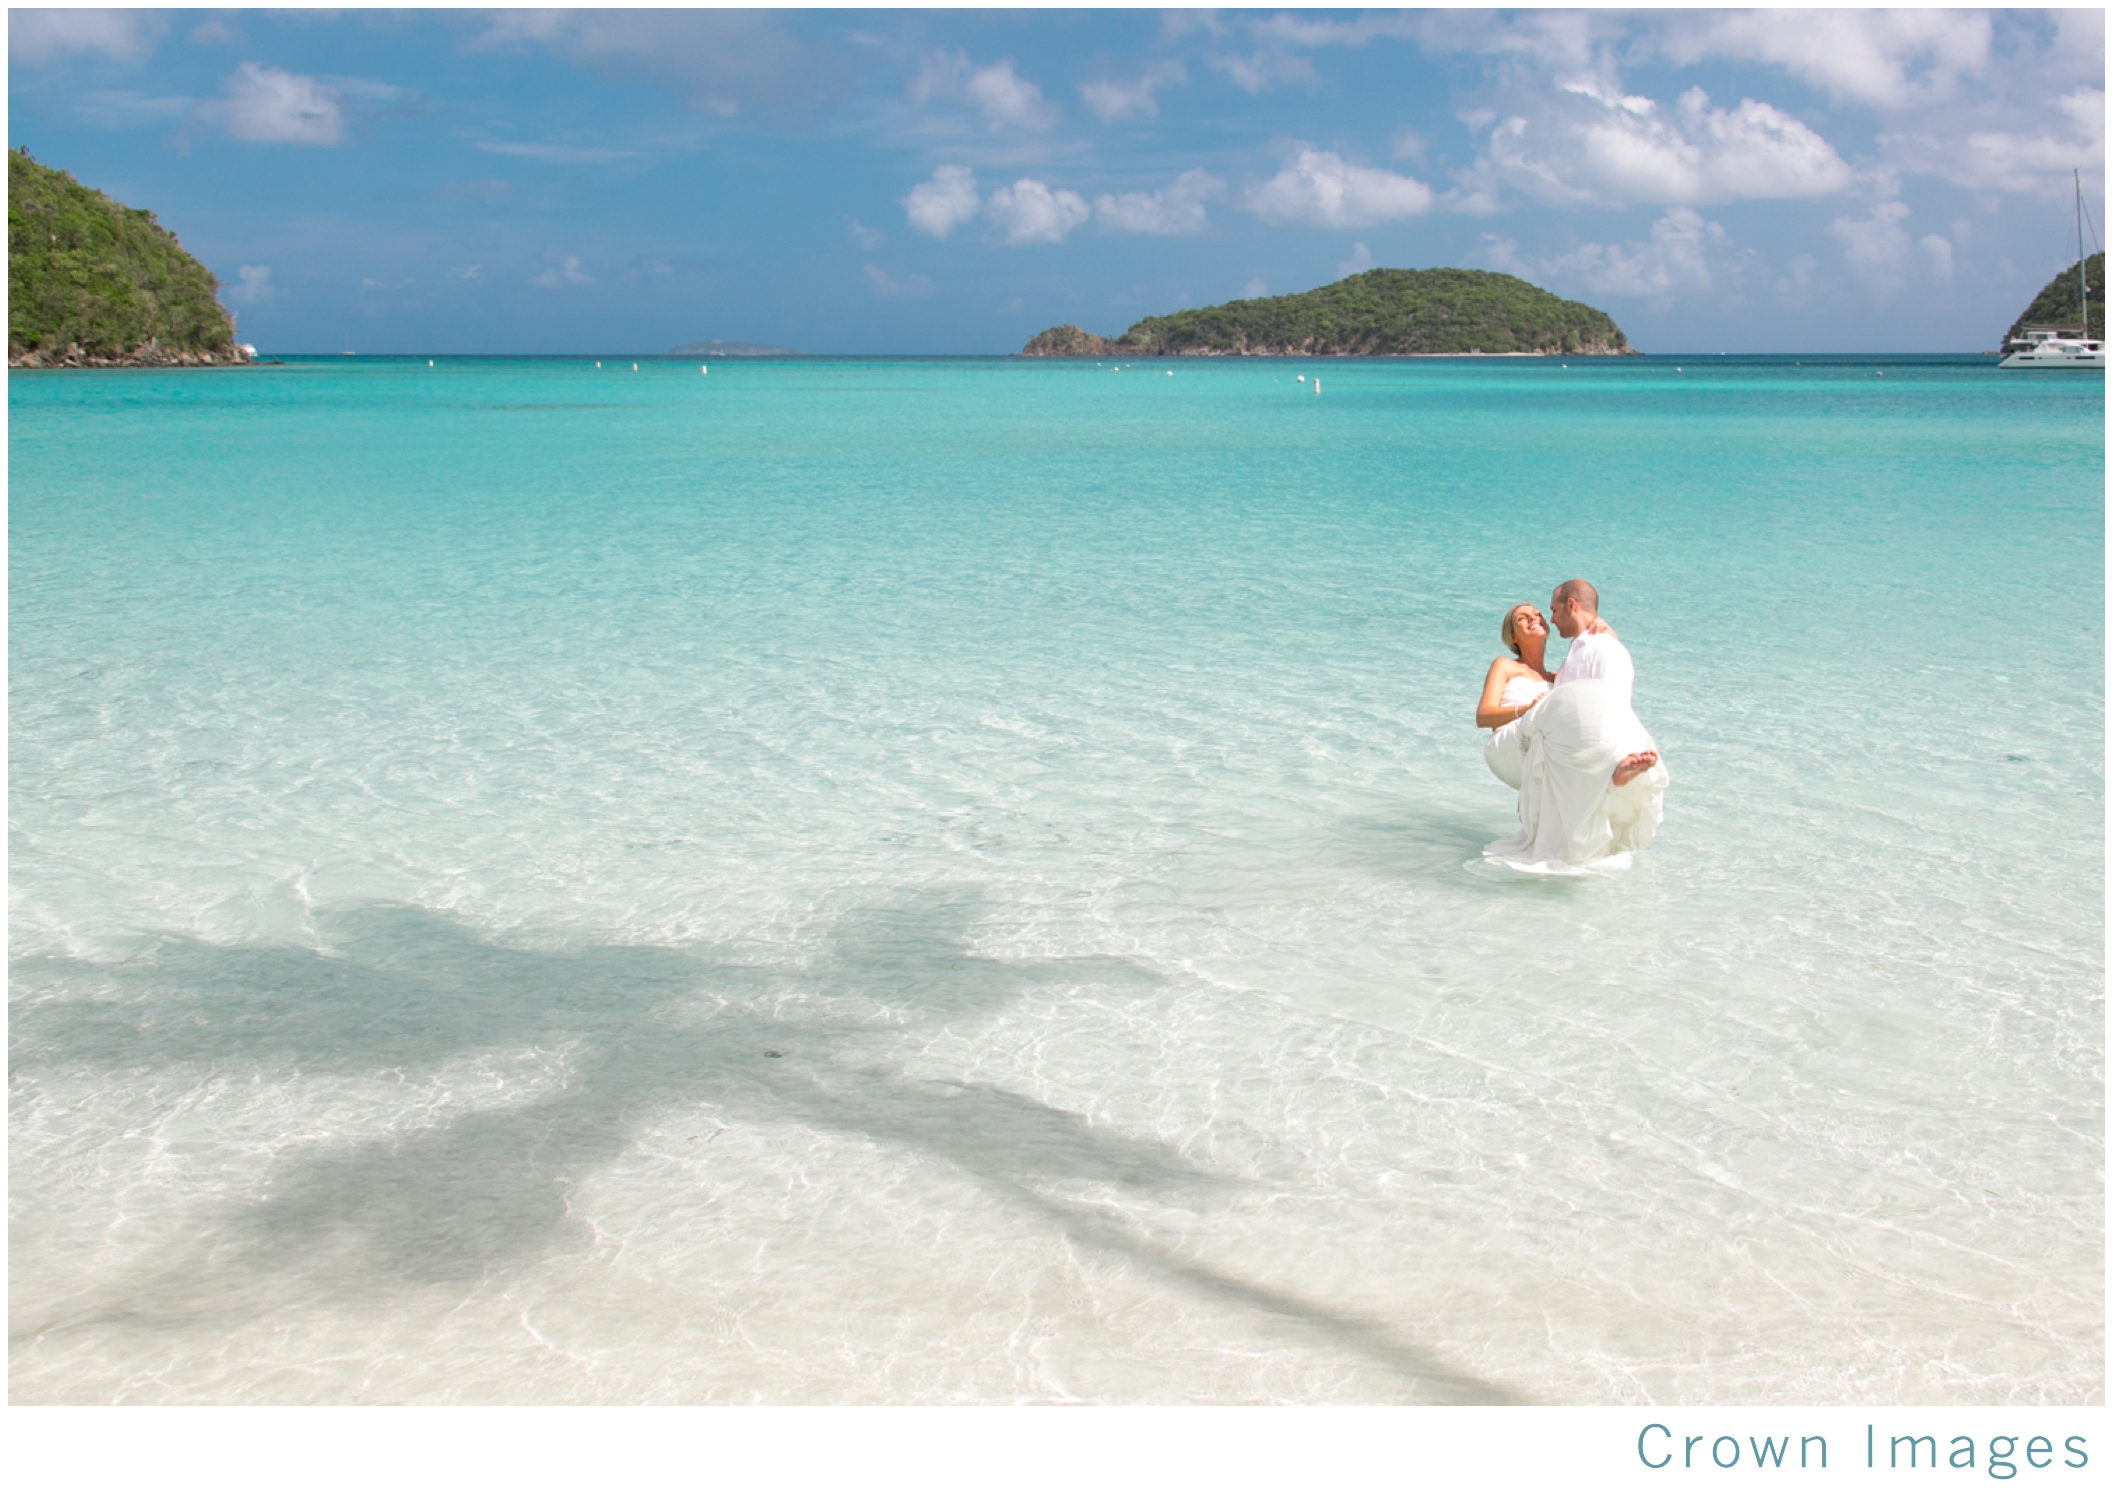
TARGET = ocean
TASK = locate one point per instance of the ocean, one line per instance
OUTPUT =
(909, 881)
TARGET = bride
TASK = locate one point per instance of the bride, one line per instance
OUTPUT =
(1515, 684)
(1591, 785)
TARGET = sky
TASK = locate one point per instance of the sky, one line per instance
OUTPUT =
(952, 182)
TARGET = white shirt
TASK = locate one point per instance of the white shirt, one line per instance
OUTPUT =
(1597, 656)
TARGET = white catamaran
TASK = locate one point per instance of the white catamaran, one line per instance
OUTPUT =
(2062, 348)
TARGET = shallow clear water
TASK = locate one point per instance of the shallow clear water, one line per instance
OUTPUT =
(955, 880)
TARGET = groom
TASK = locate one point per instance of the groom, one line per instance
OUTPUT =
(1595, 652)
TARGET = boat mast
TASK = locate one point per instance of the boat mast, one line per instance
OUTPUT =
(2083, 285)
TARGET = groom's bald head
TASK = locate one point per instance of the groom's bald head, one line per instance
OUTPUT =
(1572, 607)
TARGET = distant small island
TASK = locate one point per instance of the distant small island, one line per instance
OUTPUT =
(92, 282)
(722, 349)
(1380, 312)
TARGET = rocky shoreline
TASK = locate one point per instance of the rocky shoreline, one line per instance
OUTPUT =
(149, 356)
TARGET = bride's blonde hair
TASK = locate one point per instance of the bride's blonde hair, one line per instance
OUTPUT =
(1505, 633)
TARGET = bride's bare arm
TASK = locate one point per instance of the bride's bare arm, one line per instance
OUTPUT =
(1491, 712)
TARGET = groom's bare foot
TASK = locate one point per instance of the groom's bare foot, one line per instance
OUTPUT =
(1629, 768)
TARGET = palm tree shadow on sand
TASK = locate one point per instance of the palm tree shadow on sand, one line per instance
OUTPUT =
(645, 1031)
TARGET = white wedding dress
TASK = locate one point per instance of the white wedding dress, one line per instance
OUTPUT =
(1502, 749)
(1572, 819)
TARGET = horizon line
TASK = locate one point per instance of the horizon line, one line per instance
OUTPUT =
(662, 357)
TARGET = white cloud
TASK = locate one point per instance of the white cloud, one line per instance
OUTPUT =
(1112, 100)
(1028, 213)
(1410, 145)
(1875, 247)
(939, 76)
(995, 91)
(275, 106)
(1176, 209)
(2079, 42)
(864, 236)
(1256, 287)
(1319, 187)
(568, 274)
(37, 37)
(1005, 98)
(2012, 161)
(213, 34)
(1302, 32)
(1589, 144)
(908, 289)
(510, 28)
(467, 273)
(940, 206)
(1478, 192)
(1541, 39)
(724, 62)
(1885, 58)
(1257, 73)
(1681, 256)
(1937, 256)
(1975, 96)
(1676, 258)
(1360, 260)
(562, 156)
(1757, 151)
(1175, 24)
(253, 289)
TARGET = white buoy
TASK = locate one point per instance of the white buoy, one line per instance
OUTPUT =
(429, 364)
(597, 364)
(634, 367)
(1316, 385)
(1170, 372)
(1302, 380)
(704, 369)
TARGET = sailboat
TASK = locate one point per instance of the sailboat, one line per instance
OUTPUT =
(2057, 349)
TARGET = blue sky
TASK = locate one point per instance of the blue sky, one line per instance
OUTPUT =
(944, 182)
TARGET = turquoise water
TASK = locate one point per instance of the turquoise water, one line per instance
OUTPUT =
(957, 880)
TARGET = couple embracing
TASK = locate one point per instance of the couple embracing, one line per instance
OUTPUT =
(1590, 783)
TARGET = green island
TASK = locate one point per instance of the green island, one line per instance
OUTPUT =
(2055, 307)
(92, 282)
(1380, 312)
